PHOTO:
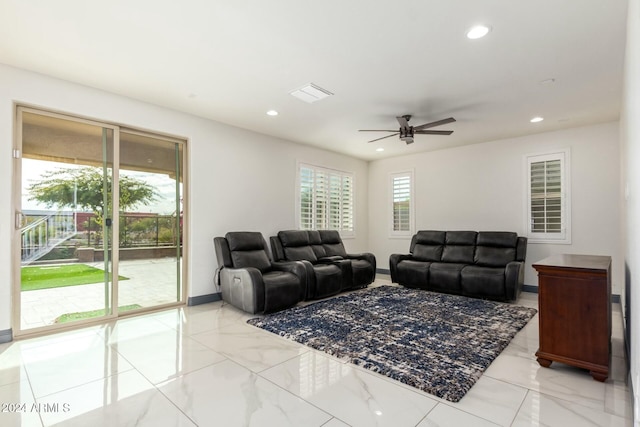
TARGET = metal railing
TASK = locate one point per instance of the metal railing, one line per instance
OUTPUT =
(44, 234)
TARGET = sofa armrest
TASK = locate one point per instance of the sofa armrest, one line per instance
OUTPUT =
(299, 269)
(276, 248)
(366, 256)
(394, 259)
(514, 278)
(243, 288)
(329, 259)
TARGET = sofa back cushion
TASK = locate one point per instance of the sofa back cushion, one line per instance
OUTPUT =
(427, 245)
(332, 243)
(248, 249)
(296, 245)
(316, 243)
(459, 247)
(496, 248)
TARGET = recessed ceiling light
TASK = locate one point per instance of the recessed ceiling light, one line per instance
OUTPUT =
(272, 113)
(379, 149)
(547, 81)
(537, 119)
(478, 32)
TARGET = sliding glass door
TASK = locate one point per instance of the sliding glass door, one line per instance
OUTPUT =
(98, 221)
(150, 220)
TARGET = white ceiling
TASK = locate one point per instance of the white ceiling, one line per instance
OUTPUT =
(231, 61)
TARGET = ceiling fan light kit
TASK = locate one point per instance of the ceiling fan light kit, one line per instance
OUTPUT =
(407, 132)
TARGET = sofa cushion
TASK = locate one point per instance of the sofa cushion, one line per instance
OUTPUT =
(247, 249)
(316, 244)
(330, 236)
(428, 252)
(296, 245)
(413, 274)
(495, 248)
(461, 238)
(430, 237)
(294, 238)
(459, 247)
(332, 243)
(328, 280)
(245, 241)
(458, 254)
(500, 239)
(335, 250)
(257, 259)
(445, 277)
(483, 282)
(298, 253)
(494, 257)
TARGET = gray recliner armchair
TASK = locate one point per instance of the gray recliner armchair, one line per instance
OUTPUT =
(250, 281)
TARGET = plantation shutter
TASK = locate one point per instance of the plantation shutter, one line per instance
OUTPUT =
(306, 198)
(548, 197)
(346, 203)
(401, 209)
(326, 199)
(402, 203)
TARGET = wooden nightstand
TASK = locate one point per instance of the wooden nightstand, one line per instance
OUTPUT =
(574, 305)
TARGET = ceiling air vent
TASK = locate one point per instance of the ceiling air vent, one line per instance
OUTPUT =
(311, 93)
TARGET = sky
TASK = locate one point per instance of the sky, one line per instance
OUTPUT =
(32, 171)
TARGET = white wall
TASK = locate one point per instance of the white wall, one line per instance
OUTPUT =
(630, 161)
(482, 187)
(240, 180)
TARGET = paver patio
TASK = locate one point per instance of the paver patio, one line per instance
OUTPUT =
(151, 282)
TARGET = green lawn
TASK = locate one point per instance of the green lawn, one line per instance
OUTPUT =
(70, 317)
(50, 276)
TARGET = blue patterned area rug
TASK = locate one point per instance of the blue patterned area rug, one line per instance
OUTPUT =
(438, 343)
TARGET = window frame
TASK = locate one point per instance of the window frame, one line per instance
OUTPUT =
(393, 233)
(345, 232)
(564, 236)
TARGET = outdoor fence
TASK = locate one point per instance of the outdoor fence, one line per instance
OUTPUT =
(61, 234)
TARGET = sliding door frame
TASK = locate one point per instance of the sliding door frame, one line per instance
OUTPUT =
(16, 207)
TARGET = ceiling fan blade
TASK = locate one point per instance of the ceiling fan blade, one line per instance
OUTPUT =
(433, 124)
(377, 130)
(404, 121)
(432, 132)
(388, 136)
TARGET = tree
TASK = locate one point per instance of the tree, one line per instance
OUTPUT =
(84, 188)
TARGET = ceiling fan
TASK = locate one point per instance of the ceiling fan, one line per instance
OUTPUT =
(407, 132)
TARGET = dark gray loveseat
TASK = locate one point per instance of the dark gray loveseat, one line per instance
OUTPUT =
(330, 268)
(485, 264)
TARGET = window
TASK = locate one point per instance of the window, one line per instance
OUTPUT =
(402, 204)
(326, 199)
(548, 198)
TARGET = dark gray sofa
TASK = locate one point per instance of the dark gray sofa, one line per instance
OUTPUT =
(485, 264)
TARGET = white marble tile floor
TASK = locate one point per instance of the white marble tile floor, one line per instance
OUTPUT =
(204, 366)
